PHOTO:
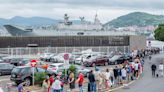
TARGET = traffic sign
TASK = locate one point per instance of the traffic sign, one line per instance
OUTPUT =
(33, 63)
(66, 56)
(66, 60)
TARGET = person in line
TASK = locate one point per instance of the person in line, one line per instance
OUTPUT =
(161, 69)
(51, 79)
(71, 81)
(115, 71)
(100, 80)
(80, 81)
(56, 86)
(62, 84)
(92, 82)
(111, 77)
(129, 72)
(97, 74)
(107, 79)
(153, 69)
(136, 70)
(124, 75)
(46, 85)
(119, 74)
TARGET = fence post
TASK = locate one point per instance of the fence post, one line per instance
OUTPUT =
(108, 49)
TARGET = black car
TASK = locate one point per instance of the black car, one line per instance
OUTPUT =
(23, 62)
(119, 59)
(13, 60)
(24, 74)
(5, 68)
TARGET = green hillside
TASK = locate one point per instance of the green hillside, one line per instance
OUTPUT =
(136, 18)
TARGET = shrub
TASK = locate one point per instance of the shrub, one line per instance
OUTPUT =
(39, 77)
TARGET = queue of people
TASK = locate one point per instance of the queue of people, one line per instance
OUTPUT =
(119, 75)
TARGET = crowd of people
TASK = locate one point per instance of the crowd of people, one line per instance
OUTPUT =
(98, 79)
(119, 75)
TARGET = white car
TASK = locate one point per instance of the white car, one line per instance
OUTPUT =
(84, 57)
(46, 56)
(59, 58)
(55, 67)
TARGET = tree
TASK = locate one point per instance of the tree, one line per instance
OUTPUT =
(159, 33)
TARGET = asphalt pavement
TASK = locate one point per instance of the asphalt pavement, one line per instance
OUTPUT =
(146, 83)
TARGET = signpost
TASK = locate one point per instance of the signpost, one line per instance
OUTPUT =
(33, 65)
(66, 61)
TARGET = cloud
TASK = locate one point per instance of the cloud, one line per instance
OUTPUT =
(106, 9)
(157, 4)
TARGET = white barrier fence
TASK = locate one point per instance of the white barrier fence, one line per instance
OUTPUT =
(37, 50)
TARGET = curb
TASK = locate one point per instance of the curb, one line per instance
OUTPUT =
(123, 86)
(120, 87)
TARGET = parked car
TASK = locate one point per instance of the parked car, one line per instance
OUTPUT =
(84, 57)
(119, 59)
(1, 61)
(12, 60)
(23, 62)
(46, 56)
(24, 74)
(83, 70)
(5, 68)
(59, 58)
(55, 67)
(96, 60)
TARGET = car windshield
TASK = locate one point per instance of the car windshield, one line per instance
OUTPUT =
(16, 70)
(52, 66)
(115, 57)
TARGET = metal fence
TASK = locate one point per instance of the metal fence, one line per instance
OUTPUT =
(36, 50)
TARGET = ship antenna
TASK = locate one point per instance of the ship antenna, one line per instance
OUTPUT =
(82, 19)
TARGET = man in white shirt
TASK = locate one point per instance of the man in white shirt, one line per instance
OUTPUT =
(161, 68)
(124, 75)
(136, 69)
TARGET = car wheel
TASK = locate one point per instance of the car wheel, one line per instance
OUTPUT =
(93, 64)
(28, 81)
(106, 63)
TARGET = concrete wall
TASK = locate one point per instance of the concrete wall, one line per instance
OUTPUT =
(137, 42)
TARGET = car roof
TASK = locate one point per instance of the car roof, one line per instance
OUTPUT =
(56, 64)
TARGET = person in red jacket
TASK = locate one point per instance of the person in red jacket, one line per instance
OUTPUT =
(80, 81)
(51, 79)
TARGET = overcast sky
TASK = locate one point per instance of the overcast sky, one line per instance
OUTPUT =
(106, 9)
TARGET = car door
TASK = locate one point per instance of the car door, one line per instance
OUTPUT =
(9, 68)
(121, 59)
(5, 69)
(2, 68)
(98, 60)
